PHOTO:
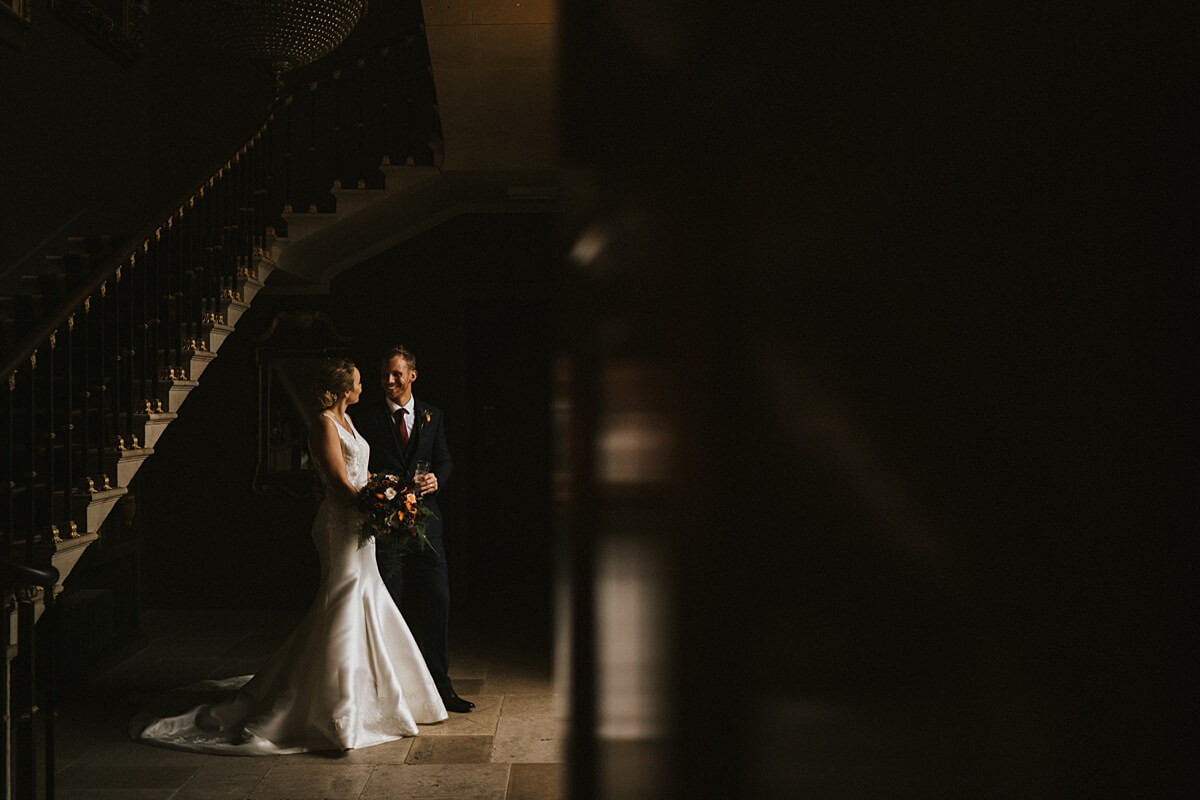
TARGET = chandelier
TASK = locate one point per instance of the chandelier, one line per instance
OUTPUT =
(283, 33)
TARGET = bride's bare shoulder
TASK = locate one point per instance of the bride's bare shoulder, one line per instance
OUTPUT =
(321, 428)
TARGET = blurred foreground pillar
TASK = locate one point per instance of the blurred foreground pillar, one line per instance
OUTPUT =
(846, 376)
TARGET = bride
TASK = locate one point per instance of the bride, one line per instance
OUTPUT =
(350, 675)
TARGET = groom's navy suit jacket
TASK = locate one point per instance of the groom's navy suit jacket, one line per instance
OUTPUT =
(427, 442)
(427, 568)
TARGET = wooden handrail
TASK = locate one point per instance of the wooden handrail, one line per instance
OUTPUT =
(13, 574)
(89, 285)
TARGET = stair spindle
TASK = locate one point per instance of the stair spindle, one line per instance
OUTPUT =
(339, 174)
(8, 463)
(236, 189)
(51, 439)
(410, 108)
(71, 405)
(245, 212)
(187, 276)
(385, 106)
(129, 306)
(26, 710)
(31, 461)
(270, 198)
(159, 269)
(288, 200)
(172, 338)
(97, 311)
(312, 146)
(148, 359)
(85, 394)
(114, 397)
(230, 248)
(360, 155)
(258, 218)
(206, 259)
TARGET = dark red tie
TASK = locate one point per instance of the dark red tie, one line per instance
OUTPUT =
(401, 428)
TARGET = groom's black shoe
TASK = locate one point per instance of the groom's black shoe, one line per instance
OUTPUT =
(453, 702)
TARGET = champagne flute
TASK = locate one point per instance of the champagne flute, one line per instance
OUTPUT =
(421, 470)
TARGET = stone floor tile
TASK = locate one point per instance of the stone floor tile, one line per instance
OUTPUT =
(161, 675)
(125, 751)
(468, 687)
(225, 779)
(450, 750)
(68, 750)
(254, 644)
(528, 683)
(480, 721)
(528, 739)
(438, 782)
(520, 668)
(182, 647)
(535, 782)
(151, 677)
(530, 705)
(467, 669)
(124, 777)
(329, 781)
(94, 743)
(387, 753)
(95, 793)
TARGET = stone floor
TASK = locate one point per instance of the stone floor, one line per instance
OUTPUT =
(508, 748)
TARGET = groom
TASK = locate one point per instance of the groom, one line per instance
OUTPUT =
(402, 431)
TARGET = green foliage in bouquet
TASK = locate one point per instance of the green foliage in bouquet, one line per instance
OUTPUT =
(395, 518)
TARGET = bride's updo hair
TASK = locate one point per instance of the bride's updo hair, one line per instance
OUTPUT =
(334, 378)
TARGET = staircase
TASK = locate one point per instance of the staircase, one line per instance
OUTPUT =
(104, 335)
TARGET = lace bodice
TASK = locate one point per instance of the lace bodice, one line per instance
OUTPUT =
(355, 450)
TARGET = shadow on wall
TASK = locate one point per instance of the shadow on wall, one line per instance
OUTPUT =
(476, 300)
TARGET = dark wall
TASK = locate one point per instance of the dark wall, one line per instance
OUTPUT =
(475, 299)
(80, 131)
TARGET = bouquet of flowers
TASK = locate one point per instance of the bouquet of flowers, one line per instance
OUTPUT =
(394, 512)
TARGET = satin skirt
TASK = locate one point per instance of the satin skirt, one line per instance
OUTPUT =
(349, 676)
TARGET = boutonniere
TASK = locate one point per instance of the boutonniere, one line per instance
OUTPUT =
(425, 416)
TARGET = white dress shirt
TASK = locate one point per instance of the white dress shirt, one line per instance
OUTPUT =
(409, 408)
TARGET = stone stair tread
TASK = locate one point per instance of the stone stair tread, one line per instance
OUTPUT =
(156, 416)
(131, 452)
(41, 284)
(104, 494)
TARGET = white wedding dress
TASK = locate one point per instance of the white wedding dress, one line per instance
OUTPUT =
(349, 676)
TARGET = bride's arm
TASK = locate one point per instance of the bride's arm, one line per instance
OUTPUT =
(326, 449)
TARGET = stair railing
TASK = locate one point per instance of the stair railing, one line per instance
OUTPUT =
(94, 365)
(28, 701)
(94, 356)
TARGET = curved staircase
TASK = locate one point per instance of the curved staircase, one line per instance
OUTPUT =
(103, 336)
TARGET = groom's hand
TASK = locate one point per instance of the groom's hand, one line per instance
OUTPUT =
(427, 484)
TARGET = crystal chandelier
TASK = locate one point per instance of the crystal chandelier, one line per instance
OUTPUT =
(284, 33)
